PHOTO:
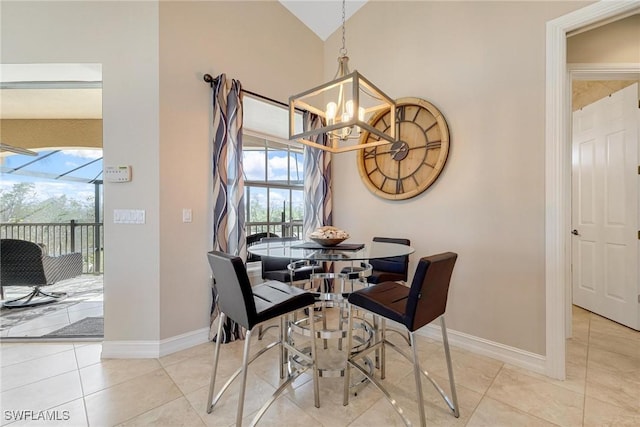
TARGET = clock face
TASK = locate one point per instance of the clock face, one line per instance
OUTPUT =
(407, 167)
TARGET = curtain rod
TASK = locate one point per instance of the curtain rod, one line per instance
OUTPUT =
(209, 79)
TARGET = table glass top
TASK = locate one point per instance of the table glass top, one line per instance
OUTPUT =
(291, 250)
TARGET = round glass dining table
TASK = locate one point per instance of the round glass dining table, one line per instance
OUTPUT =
(298, 250)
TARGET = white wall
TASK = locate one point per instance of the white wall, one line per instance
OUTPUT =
(123, 37)
(483, 65)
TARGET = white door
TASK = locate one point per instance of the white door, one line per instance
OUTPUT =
(605, 207)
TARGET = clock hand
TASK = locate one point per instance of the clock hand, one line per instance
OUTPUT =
(381, 153)
(398, 181)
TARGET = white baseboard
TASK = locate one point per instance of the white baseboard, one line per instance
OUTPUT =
(184, 341)
(153, 349)
(130, 350)
(514, 356)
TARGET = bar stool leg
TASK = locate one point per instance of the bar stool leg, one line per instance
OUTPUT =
(323, 310)
(452, 383)
(314, 358)
(216, 355)
(281, 353)
(347, 369)
(243, 380)
(417, 374)
(383, 353)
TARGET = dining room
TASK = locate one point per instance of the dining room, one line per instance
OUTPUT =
(480, 65)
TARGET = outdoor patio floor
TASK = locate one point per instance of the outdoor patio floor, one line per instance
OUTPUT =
(84, 299)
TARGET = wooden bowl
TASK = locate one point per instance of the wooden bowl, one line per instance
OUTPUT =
(328, 242)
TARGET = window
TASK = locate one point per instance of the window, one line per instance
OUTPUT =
(273, 171)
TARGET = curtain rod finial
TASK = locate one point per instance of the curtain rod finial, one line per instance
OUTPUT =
(208, 78)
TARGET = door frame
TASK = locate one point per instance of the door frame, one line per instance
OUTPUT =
(558, 171)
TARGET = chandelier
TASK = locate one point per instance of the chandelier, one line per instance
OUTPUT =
(345, 104)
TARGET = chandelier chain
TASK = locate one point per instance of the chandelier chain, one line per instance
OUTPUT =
(343, 50)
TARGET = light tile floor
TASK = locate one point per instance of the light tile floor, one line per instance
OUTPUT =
(70, 383)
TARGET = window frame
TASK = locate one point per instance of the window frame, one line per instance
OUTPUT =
(265, 142)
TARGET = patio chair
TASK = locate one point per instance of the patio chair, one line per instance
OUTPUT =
(25, 263)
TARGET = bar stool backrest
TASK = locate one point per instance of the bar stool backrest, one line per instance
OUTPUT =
(235, 298)
(272, 263)
(396, 264)
(428, 294)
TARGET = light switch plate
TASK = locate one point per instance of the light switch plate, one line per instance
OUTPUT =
(187, 215)
(129, 216)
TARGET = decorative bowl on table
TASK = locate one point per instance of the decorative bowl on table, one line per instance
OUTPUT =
(328, 242)
(329, 236)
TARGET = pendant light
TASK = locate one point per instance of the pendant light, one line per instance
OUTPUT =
(346, 103)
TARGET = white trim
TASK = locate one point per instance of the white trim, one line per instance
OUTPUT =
(513, 356)
(156, 349)
(184, 341)
(557, 171)
(153, 349)
(604, 71)
(601, 23)
(130, 350)
(279, 140)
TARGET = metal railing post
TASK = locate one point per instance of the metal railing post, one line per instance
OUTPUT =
(96, 249)
(73, 235)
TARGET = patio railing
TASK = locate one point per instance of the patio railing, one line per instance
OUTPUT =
(87, 237)
(63, 238)
(282, 229)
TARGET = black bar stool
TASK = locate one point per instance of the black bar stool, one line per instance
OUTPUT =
(251, 306)
(413, 307)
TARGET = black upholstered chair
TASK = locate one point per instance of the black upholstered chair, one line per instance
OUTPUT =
(277, 268)
(413, 307)
(385, 269)
(250, 306)
(25, 263)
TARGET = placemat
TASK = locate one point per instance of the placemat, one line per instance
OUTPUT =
(340, 246)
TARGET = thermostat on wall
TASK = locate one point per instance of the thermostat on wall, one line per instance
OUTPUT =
(117, 173)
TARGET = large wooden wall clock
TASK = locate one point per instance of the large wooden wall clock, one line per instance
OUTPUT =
(407, 167)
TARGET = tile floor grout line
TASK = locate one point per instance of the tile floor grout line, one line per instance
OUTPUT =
(35, 358)
(84, 402)
(484, 394)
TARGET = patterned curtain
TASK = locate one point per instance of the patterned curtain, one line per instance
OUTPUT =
(229, 233)
(317, 180)
(317, 184)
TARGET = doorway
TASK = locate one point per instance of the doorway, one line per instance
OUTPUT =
(558, 172)
(51, 194)
(605, 200)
